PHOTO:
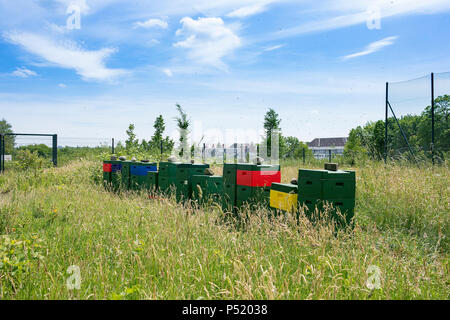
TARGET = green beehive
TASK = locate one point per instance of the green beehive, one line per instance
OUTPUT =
(229, 173)
(206, 188)
(167, 175)
(152, 180)
(106, 172)
(116, 174)
(183, 190)
(229, 196)
(317, 189)
(339, 185)
(324, 184)
(184, 173)
(138, 174)
(259, 196)
(126, 174)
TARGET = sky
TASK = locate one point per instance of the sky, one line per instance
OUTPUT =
(86, 69)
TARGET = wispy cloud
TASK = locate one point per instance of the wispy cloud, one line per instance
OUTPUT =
(23, 73)
(278, 46)
(342, 13)
(90, 65)
(372, 47)
(208, 40)
(151, 23)
(247, 11)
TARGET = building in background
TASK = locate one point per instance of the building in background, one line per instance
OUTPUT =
(321, 147)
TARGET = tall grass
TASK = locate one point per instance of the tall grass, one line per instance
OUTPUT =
(130, 246)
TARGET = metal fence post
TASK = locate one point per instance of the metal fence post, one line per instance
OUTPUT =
(161, 147)
(204, 153)
(304, 155)
(55, 150)
(1, 153)
(432, 117)
(224, 154)
(386, 123)
(112, 146)
(329, 155)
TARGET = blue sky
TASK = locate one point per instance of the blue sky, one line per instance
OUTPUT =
(322, 65)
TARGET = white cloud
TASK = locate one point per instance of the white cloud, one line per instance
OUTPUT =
(80, 4)
(208, 40)
(336, 14)
(89, 65)
(23, 73)
(62, 85)
(247, 11)
(150, 23)
(168, 72)
(372, 47)
(274, 47)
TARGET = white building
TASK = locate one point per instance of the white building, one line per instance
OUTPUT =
(321, 147)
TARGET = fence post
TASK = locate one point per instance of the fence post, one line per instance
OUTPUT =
(386, 123)
(55, 150)
(329, 155)
(432, 117)
(161, 147)
(224, 154)
(1, 153)
(204, 153)
(112, 146)
(304, 155)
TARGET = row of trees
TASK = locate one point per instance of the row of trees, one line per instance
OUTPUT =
(290, 147)
(368, 141)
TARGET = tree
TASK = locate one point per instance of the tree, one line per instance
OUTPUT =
(293, 148)
(159, 130)
(271, 123)
(158, 138)
(354, 149)
(441, 128)
(183, 125)
(6, 127)
(378, 139)
(131, 143)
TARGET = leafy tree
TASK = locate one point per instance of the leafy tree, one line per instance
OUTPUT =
(157, 137)
(292, 144)
(5, 127)
(41, 150)
(159, 130)
(131, 142)
(293, 148)
(271, 123)
(378, 139)
(354, 149)
(441, 127)
(183, 124)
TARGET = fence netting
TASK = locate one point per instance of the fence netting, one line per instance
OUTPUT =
(410, 132)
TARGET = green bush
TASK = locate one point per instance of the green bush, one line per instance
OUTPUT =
(25, 160)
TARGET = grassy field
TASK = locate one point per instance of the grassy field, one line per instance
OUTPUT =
(129, 246)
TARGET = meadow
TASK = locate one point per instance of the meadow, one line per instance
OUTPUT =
(132, 246)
